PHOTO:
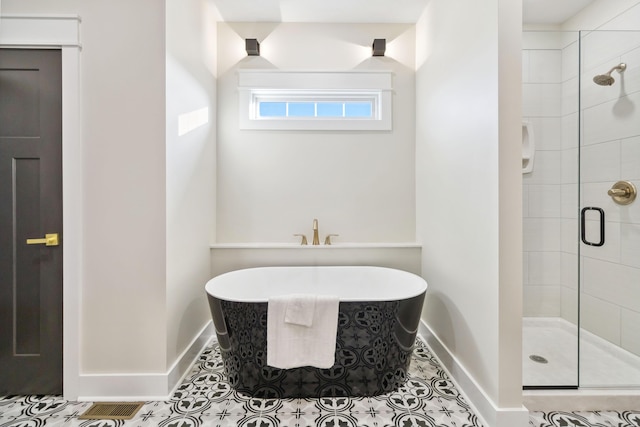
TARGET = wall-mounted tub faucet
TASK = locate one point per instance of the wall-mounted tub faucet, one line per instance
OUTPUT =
(316, 239)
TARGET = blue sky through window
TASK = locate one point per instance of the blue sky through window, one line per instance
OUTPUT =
(313, 109)
(330, 109)
(357, 109)
(273, 109)
(301, 109)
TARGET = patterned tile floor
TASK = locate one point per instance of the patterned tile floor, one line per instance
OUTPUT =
(428, 399)
(204, 398)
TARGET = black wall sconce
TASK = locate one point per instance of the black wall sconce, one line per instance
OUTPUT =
(379, 46)
(252, 47)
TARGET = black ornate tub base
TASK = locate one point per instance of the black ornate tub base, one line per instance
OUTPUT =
(373, 350)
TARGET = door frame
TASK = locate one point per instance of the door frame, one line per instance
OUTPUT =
(62, 32)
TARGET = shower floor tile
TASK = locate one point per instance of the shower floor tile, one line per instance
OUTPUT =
(602, 364)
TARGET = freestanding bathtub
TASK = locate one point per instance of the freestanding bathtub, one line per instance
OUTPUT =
(378, 319)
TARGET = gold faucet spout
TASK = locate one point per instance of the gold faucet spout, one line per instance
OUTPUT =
(316, 238)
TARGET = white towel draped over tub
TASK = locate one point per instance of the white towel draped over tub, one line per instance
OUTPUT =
(300, 309)
(292, 344)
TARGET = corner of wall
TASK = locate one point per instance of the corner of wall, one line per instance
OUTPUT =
(190, 167)
(127, 387)
(466, 308)
(510, 205)
(482, 404)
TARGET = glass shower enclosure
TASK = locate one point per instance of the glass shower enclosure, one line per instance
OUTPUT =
(581, 163)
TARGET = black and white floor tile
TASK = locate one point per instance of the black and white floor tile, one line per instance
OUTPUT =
(428, 399)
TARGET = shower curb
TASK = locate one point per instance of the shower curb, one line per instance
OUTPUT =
(581, 400)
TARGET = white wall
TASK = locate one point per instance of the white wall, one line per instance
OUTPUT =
(123, 98)
(190, 156)
(272, 184)
(469, 181)
(139, 298)
(229, 258)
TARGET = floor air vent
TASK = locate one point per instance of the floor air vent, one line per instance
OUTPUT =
(112, 411)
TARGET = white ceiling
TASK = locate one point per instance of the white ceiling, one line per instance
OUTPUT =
(372, 11)
(551, 11)
(346, 11)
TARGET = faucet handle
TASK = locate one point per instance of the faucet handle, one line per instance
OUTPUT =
(327, 240)
(304, 239)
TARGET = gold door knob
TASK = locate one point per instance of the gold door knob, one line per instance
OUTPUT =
(48, 240)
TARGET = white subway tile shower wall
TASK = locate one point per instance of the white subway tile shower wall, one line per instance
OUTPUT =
(546, 169)
(570, 168)
(569, 201)
(569, 56)
(542, 234)
(543, 108)
(630, 330)
(569, 301)
(611, 151)
(544, 301)
(601, 318)
(541, 99)
(570, 128)
(544, 201)
(630, 245)
(545, 66)
(569, 96)
(546, 268)
(630, 156)
(612, 120)
(547, 132)
(600, 48)
(610, 300)
(569, 236)
(612, 282)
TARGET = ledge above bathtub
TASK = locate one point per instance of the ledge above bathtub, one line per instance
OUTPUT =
(305, 247)
(226, 257)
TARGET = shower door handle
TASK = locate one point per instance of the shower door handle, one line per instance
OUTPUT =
(583, 231)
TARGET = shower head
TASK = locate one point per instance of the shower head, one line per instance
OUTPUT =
(607, 79)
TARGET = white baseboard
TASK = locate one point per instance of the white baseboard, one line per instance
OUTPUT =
(182, 365)
(488, 413)
(143, 387)
(152, 387)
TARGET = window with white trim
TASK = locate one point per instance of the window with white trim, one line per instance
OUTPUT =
(320, 105)
(315, 100)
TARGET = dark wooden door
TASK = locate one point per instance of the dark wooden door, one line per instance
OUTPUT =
(30, 208)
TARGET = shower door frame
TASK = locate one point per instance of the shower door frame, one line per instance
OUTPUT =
(572, 37)
(619, 87)
(600, 57)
